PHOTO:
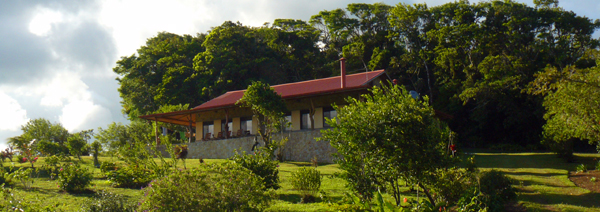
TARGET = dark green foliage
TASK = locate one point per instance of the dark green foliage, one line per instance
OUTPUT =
(72, 177)
(495, 183)
(307, 180)
(77, 145)
(161, 73)
(105, 201)
(223, 187)
(261, 164)
(492, 192)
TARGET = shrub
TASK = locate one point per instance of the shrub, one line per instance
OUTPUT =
(4, 176)
(108, 202)
(495, 183)
(308, 181)
(21, 159)
(223, 187)
(131, 176)
(22, 175)
(72, 177)
(582, 168)
(260, 164)
(598, 166)
(451, 184)
(107, 167)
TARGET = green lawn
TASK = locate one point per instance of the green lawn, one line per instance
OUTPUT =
(543, 184)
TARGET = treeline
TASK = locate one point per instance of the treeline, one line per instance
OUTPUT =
(486, 63)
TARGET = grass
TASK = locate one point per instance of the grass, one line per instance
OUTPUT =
(543, 180)
(543, 184)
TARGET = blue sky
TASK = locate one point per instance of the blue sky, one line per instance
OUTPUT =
(56, 56)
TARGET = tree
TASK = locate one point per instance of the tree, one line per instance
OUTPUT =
(476, 61)
(572, 99)
(386, 139)
(161, 73)
(77, 144)
(96, 148)
(268, 106)
(117, 135)
(50, 138)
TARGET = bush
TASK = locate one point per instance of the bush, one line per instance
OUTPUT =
(4, 176)
(108, 202)
(491, 194)
(451, 184)
(22, 175)
(598, 166)
(307, 180)
(131, 176)
(581, 168)
(260, 164)
(107, 167)
(494, 183)
(72, 177)
(21, 159)
(224, 187)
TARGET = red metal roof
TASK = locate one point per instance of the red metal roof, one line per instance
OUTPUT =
(287, 91)
(299, 89)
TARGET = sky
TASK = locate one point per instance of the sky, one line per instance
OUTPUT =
(56, 56)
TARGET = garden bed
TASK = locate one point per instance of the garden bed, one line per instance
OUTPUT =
(584, 180)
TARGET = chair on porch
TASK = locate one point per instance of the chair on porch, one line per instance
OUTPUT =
(206, 137)
(219, 135)
(239, 133)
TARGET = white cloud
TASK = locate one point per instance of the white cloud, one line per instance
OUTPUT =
(132, 22)
(82, 115)
(41, 24)
(64, 87)
(13, 116)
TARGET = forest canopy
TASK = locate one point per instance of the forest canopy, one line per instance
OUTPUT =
(487, 63)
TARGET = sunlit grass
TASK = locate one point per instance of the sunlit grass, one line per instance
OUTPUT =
(543, 184)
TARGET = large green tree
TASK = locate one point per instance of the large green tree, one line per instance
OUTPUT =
(476, 61)
(572, 104)
(388, 138)
(161, 73)
(51, 138)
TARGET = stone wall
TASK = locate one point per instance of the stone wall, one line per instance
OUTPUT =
(301, 146)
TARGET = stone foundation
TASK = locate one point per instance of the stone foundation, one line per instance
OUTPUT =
(301, 146)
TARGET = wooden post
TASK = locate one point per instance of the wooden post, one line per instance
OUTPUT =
(156, 132)
(226, 133)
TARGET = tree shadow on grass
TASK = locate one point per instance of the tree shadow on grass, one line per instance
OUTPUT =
(291, 198)
(533, 174)
(587, 200)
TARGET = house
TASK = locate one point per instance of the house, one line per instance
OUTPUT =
(222, 127)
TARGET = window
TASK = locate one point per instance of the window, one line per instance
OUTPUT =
(229, 125)
(287, 123)
(208, 127)
(305, 120)
(246, 124)
(329, 113)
